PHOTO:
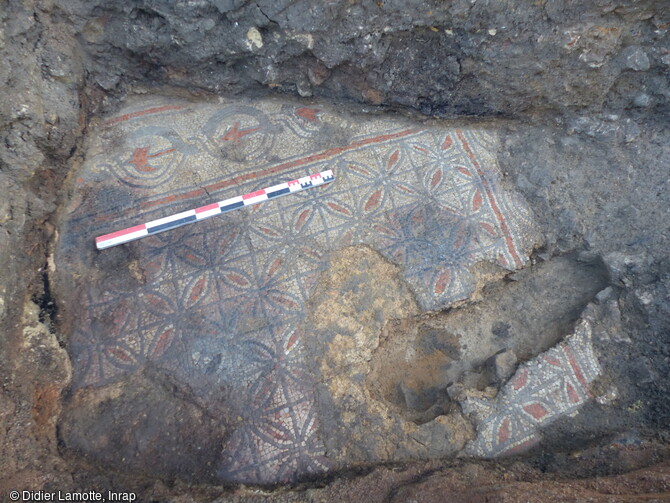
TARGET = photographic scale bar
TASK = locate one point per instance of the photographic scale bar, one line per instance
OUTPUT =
(211, 210)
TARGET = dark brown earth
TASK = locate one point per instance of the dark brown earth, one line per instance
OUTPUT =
(584, 92)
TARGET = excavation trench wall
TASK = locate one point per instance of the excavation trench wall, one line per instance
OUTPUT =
(586, 84)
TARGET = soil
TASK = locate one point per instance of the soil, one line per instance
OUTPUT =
(579, 94)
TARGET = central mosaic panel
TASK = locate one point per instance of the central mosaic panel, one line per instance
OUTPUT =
(221, 305)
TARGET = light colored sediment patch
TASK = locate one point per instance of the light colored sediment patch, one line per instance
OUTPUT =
(355, 297)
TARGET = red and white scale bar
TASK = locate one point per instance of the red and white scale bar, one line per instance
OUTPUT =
(211, 210)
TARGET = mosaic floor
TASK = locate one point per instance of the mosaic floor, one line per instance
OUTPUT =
(220, 304)
(550, 386)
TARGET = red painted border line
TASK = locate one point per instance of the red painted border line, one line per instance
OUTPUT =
(279, 167)
(576, 369)
(148, 111)
(489, 195)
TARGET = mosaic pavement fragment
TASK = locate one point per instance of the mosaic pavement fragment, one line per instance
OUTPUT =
(552, 385)
(220, 305)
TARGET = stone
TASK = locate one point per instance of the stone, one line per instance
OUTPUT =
(254, 38)
(642, 100)
(620, 265)
(605, 316)
(304, 88)
(631, 130)
(503, 365)
(227, 5)
(605, 294)
(636, 58)
(645, 296)
(596, 127)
